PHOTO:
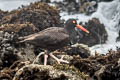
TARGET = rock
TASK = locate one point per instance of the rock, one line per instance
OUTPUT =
(24, 21)
(118, 38)
(97, 35)
(6, 49)
(41, 15)
(78, 49)
(2, 14)
(99, 67)
(77, 6)
(10, 51)
(89, 7)
(19, 29)
(68, 52)
(28, 71)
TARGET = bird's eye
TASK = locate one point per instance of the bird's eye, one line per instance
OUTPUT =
(74, 22)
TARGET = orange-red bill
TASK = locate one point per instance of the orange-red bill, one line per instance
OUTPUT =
(82, 28)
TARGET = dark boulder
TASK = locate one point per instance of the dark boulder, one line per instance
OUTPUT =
(97, 35)
(118, 38)
(78, 49)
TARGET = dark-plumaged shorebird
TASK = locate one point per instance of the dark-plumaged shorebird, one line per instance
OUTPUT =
(53, 38)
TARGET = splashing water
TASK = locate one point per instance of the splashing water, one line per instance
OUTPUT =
(110, 17)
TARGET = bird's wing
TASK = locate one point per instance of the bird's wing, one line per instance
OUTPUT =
(49, 36)
(52, 36)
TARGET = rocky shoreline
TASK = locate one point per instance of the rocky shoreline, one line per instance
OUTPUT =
(16, 60)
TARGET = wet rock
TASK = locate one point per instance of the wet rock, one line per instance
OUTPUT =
(88, 7)
(77, 6)
(97, 35)
(28, 71)
(99, 67)
(78, 49)
(41, 15)
(118, 38)
(111, 69)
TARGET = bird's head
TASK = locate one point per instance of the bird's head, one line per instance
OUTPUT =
(72, 23)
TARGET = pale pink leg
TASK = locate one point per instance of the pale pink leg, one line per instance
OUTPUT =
(45, 59)
(37, 58)
(58, 60)
(62, 56)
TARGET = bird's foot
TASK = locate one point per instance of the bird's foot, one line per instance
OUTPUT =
(46, 56)
(58, 60)
(45, 59)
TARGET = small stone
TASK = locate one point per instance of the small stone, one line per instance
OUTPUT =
(9, 48)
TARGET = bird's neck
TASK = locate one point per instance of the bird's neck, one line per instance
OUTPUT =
(69, 29)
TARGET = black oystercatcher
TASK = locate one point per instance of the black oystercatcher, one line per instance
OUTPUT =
(53, 38)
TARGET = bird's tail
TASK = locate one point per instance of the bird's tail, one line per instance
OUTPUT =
(25, 39)
(20, 40)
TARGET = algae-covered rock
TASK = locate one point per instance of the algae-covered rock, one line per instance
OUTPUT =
(68, 52)
(97, 35)
(28, 71)
(100, 67)
(41, 15)
(76, 49)
(19, 29)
